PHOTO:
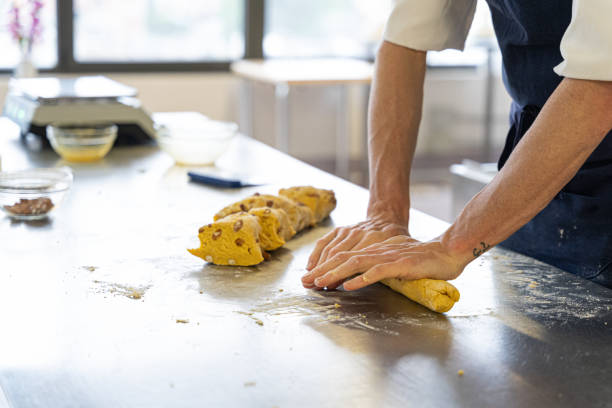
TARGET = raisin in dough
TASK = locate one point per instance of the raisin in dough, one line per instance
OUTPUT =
(232, 240)
(321, 202)
(275, 227)
(436, 295)
(300, 216)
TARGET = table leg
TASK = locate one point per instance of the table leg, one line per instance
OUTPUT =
(343, 142)
(246, 108)
(488, 108)
(365, 169)
(281, 119)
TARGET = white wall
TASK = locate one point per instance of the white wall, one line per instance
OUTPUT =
(451, 124)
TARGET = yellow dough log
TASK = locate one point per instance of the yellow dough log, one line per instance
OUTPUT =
(275, 227)
(436, 295)
(299, 214)
(321, 202)
(232, 240)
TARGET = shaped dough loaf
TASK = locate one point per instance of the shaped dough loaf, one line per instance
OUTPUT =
(321, 202)
(276, 228)
(436, 295)
(300, 216)
(232, 240)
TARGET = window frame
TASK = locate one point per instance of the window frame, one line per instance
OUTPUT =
(253, 47)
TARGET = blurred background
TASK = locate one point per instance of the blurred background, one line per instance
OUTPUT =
(178, 55)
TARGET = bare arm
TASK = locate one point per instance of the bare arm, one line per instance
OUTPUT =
(394, 116)
(573, 122)
(571, 125)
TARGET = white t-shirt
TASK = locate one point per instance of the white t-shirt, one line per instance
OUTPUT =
(586, 46)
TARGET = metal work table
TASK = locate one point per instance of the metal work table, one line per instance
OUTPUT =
(525, 334)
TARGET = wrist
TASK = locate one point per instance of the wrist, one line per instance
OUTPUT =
(390, 214)
(461, 247)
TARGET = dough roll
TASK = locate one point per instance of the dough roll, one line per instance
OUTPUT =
(321, 202)
(300, 216)
(436, 295)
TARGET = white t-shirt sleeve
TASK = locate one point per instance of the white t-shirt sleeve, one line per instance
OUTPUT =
(431, 24)
(586, 46)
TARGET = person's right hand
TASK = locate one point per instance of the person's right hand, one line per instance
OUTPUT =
(352, 238)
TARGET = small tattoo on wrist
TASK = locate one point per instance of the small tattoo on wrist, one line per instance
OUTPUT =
(484, 247)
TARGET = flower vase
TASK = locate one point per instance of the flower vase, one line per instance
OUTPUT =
(25, 68)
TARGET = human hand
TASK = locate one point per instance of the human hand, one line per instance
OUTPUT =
(398, 257)
(354, 237)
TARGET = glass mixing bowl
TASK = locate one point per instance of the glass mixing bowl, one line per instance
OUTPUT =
(33, 194)
(82, 142)
(196, 144)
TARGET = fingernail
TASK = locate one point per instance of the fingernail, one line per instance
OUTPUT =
(318, 281)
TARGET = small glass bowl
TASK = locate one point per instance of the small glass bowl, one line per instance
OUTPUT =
(82, 142)
(196, 145)
(33, 194)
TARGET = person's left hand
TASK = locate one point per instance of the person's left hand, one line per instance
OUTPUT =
(397, 257)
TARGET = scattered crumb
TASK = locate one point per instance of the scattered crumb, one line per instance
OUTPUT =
(281, 290)
(605, 323)
(336, 305)
(250, 314)
(244, 313)
(130, 292)
(201, 292)
(250, 384)
(533, 284)
(135, 294)
(90, 268)
(460, 373)
(184, 321)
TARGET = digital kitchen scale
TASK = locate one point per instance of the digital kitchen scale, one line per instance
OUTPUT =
(33, 103)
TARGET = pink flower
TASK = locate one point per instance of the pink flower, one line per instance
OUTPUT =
(16, 26)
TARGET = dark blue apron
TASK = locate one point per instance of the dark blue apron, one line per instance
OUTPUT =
(574, 232)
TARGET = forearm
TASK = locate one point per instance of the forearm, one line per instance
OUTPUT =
(394, 116)
(571, 125)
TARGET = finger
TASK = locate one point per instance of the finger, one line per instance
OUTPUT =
(340, 236)
(323, 268)
(346, 245)
(334, 286)
(375, 274)
(321, 243)
(355, 264)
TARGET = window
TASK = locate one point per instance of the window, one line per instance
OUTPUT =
(297, 28)
(158, 30)
(150, 35)
(44, 53)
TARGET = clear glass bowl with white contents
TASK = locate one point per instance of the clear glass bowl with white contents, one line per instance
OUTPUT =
(33, 194)
(198, 143)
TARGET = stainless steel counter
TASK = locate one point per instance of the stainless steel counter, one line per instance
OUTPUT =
(524, 333)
